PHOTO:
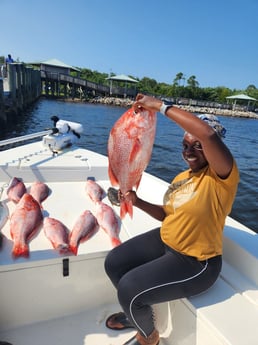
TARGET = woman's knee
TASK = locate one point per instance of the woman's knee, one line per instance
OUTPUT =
(110, 261)
(126, 290)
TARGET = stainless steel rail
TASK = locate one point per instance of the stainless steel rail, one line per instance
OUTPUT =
(27, 137)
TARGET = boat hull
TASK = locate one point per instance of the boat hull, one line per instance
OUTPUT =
(56, 298)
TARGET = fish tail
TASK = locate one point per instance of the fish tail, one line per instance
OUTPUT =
(115, 241)
(73, 249)
(20, 249)
(126, 207)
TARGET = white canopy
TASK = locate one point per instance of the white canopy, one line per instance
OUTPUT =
(55, 63)
(123, 77)
(242, 96)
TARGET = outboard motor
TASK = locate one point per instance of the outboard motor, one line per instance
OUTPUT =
(67, 134)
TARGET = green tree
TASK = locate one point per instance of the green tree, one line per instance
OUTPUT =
(179, 77)
(148, 85)
(252, 91)
(192, 82)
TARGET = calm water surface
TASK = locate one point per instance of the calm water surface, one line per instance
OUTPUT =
(166, 162)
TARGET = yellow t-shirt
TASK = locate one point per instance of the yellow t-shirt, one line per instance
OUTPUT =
(196, 206)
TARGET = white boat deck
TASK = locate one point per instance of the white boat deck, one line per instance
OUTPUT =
(67, 199)
(39, 304)
(86, 328)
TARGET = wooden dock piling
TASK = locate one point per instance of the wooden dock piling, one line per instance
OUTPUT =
(21, 88)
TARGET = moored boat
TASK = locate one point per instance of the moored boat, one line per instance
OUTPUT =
(62, 298)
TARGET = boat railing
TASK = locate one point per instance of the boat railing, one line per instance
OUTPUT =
(27, 137)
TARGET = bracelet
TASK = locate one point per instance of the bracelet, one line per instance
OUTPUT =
(164, 107)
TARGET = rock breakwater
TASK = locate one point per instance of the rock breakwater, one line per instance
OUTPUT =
(219, 111)
(127, 102)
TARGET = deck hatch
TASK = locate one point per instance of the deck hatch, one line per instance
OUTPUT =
(65, 267)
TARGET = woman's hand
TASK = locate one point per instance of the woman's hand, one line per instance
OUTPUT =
(130, 196)
(146, 102)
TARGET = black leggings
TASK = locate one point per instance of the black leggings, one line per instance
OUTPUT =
(145, 271)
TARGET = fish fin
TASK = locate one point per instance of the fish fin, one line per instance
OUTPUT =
(126, 207)
(138, 182)
(137, 147)
(115, 241)
(20, 249)
(112, 177)
(73, 249)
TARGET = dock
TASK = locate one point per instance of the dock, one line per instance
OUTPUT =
(20, 86)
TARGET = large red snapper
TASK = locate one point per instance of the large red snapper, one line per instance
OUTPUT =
(24, 223)
(130, 146)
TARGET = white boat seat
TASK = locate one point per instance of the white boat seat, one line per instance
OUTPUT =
(225, 316)
(240, 283)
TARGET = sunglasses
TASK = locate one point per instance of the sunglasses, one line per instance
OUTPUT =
(196, 146)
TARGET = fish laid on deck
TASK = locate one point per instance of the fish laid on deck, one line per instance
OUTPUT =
(57, 233)
(108, 221)
(24, 223)
(40, 191)
(129, 151)
(16, 189)
(94, 191)
(84, 228)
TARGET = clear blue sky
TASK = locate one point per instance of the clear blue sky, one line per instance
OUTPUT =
(215, 40)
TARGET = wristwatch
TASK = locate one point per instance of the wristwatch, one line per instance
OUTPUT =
(164, 107)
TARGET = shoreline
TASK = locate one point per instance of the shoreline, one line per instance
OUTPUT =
(126, 102)
(220, 112)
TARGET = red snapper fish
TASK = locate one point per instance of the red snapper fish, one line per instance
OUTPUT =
(130, 146)
(108, 221)
(57, 233)
(24, 223)
(40, 191)
(94, 191)
(16, 189)
(84, 228)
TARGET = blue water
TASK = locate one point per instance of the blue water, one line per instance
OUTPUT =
(166, 160)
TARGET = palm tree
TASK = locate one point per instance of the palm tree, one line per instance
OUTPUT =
(178, 78)
(192, 82)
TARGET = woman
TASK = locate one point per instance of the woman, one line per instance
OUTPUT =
(183, 257)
